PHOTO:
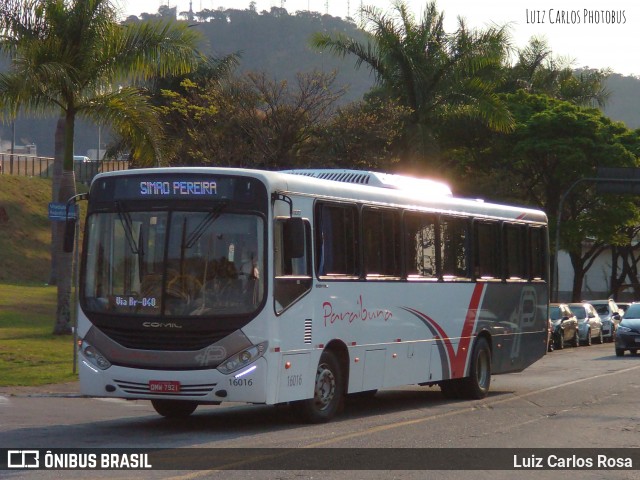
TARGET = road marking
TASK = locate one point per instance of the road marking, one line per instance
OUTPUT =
(391, 426)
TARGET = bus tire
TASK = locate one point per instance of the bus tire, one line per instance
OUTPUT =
(450, 389)
(174, 408)
(328, 391)
(476, 385)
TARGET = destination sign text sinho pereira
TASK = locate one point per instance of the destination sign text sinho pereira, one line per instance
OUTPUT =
(203, 187)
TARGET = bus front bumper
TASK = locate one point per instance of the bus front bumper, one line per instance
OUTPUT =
(248, 384)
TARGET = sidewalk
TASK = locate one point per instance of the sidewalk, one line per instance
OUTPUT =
(54, 389)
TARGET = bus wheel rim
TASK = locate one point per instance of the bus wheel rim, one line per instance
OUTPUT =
(325, 387)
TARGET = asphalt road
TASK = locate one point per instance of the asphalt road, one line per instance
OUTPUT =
(582, 397)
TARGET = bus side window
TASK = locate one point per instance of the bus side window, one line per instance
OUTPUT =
(292, 274)
(381, 243)
(515, 238)
(487, 250)
(455, 248)
(538, 259)
(421, 246)
(337, 246)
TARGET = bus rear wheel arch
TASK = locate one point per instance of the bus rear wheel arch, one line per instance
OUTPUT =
(476, 385)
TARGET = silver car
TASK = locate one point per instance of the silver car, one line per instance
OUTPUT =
(589, 323)
(610, 315)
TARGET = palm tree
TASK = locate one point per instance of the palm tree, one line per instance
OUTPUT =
(537, 70)
(73, 57)
(435, 74)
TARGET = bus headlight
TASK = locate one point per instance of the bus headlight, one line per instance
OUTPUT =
(92, 354)
(243, 358)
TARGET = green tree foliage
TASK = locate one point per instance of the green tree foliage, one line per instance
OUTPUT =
(364, 135)
(434, 74)
(554, 144)
(537, 70)
(249, 120)
(73, 57)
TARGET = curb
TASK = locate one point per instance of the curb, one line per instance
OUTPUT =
(70, 389)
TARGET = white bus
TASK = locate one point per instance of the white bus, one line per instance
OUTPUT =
(208, 285)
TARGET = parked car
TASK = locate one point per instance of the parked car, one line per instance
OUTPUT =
(628, 337)
(589, 323)
(610, 314)
(564, 325)
(623, 306)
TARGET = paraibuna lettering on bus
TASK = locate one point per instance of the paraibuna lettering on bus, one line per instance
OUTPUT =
(361, 312)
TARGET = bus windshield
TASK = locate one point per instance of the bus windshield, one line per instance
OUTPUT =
(174, 262)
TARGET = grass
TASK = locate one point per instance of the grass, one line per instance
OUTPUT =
(29, 354)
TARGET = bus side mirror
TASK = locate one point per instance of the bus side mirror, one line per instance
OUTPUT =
(293, 233)
(69, 235)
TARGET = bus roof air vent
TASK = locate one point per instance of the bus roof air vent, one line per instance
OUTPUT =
(376, 179)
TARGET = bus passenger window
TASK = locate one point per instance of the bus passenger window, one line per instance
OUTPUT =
(381, 243)
(292, 274)
(515, 251)
(538, 260)
(336, 240)
(420, 246)
(454, 247)
(487, 250)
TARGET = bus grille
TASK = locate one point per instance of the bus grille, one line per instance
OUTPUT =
(137, 388)
(165, 340)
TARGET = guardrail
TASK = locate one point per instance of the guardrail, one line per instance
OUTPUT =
(31, 166)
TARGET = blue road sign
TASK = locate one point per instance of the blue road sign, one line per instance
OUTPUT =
(58, 211)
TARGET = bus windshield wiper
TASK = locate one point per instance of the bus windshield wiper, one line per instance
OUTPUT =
(127, 225)
(211, 217)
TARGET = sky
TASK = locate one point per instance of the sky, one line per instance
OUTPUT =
(590, 33)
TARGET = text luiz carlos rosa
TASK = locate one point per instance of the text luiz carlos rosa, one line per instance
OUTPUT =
(573, 461)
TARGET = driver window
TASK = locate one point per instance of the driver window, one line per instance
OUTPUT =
(292, 275)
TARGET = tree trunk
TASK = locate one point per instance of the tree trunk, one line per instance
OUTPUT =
(64, 262)
(58, 160)
(578, 277)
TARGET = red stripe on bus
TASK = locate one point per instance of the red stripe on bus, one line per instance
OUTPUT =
(459, 360)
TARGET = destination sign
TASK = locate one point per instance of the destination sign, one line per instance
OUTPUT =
(199, 187)
(180, 186)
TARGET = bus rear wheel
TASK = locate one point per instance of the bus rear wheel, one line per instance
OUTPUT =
(174, 408)
(476, 385)
(328, 391)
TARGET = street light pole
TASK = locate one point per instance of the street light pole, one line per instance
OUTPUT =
(556, 274)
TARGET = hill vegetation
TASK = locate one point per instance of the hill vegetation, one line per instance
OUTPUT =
(277, 43)
(25, 230)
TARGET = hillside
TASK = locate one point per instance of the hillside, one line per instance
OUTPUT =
(278, 43)
(624, 103)
(25, 230)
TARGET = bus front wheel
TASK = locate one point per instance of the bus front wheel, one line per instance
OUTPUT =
(174, 408)
(328, 391)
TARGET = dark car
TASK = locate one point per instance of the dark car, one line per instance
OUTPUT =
(564, 325)
(589, 323)
(628, 336)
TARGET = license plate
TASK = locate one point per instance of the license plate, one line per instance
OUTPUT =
(164, 386)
